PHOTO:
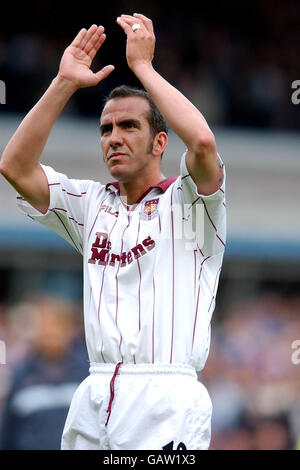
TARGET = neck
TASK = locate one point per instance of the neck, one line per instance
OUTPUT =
(133, 190)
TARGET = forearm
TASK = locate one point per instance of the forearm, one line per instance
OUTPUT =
(181, 115)
(24, 149)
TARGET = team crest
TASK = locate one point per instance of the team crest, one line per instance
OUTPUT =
(149, 209)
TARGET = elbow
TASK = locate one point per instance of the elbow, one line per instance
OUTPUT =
(205, 144)
(9, 167)
(2, 167)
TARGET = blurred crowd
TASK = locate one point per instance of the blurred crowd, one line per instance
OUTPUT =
(251, 373)
(235, 61)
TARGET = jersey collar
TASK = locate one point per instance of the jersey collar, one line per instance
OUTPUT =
(163, 185)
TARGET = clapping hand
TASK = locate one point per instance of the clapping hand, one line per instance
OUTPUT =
(140, 42)
(77, 58)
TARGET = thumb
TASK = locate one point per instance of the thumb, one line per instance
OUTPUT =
(104, 72)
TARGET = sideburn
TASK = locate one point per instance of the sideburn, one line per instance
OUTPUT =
(150, 145)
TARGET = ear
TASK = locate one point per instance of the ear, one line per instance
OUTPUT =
(160, 142)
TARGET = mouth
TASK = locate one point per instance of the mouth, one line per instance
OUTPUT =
(115, 155)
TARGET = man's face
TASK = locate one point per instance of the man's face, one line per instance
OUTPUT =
(126, 138)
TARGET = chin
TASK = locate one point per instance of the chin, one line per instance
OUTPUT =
(119, 173)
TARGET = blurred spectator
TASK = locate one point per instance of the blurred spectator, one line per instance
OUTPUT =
(272, 434)
(16, 331)
(19, 331)
(43, 384)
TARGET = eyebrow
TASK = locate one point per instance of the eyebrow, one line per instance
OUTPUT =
(123, 123)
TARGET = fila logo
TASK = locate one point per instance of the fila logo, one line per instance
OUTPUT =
(101, 251)
(108, 209)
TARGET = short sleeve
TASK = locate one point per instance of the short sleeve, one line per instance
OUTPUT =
(206, 215)
(65, 214)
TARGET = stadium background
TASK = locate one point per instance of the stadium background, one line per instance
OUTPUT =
(236, 62)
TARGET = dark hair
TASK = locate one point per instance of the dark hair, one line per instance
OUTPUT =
(156, 121)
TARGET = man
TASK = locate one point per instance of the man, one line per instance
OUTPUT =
(148, 293)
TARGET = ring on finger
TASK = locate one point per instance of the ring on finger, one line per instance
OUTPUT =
(135, 27)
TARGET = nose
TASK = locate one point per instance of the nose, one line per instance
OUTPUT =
(115, 137)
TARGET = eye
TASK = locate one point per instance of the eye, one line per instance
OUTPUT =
(130, 124)
(105, 129)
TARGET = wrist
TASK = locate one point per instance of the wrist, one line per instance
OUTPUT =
(142, 68)
(64, 85)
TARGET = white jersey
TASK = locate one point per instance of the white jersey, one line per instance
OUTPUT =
(149, 293)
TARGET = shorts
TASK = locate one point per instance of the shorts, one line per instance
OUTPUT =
(139, 407)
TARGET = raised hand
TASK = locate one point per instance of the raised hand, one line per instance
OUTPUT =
(77, 58)
(140, 43)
